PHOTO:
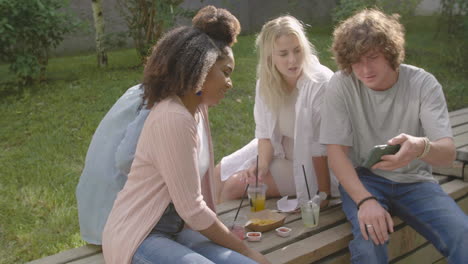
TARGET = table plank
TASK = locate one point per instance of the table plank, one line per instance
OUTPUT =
(230, 205)
(460, 129)
(94, 259)
(461, 111)
(69, 255)
(319, 245)
(460, 119)
(461, 140)
(456, 170)
(462, 154)
(426, 254)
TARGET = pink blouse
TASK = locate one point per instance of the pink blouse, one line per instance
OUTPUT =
(165, 169)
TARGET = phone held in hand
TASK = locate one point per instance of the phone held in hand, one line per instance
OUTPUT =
(377, 152)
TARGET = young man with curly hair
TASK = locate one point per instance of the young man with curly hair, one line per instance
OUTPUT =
(375, 99)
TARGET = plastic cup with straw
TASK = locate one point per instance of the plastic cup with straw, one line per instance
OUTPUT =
(237, 229)
(307, 209)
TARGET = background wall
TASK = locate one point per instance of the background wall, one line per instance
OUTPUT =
(252, 14)
(428, 7)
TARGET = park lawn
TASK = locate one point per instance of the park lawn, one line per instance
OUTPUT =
(45, 130)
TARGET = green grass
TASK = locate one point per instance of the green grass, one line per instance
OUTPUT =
(45, 130)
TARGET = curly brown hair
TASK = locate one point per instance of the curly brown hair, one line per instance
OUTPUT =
(183, 57)
(369, 29)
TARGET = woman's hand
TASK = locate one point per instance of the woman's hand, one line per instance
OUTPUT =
(249, 175)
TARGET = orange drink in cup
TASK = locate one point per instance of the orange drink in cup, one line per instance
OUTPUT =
(257, 197)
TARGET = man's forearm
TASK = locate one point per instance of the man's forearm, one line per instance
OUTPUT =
(345, 172)
(441, 153)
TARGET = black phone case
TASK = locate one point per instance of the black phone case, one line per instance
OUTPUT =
(377, 152)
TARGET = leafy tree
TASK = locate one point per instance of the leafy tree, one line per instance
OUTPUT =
(148, 19)
(28, 30)
(454, 17)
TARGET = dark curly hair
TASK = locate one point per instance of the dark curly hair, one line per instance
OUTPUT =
(183, 57)
(367, 30)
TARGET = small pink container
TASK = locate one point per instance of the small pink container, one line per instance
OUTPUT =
(283, 231)
(239, 231)
(254, 236)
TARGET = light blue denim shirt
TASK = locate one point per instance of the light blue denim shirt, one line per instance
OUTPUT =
(108, 162)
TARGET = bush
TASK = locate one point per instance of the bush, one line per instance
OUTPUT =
(28, 30)
(454, 19)
(147, 20)
(346, 8)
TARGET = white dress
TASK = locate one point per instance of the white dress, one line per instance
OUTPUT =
(311, 88)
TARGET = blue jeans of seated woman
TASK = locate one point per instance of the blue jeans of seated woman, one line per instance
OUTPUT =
(168, 242)
(423, 205)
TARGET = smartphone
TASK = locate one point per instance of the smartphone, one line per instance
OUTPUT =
(377, 152)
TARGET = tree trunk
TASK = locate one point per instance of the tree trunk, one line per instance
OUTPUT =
(99, 26)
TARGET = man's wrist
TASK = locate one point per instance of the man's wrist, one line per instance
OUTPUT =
(362, 201)
(426, 149)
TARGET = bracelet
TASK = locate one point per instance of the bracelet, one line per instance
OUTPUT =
(427, 148)
(366, 199)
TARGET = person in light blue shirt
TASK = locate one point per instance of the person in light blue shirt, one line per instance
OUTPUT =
(108, 162)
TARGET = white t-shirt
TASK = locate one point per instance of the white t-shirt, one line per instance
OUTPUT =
(203, 151)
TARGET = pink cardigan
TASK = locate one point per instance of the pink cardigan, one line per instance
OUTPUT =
(165, 169)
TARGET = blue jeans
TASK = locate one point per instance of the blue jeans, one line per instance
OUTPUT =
(168, 242)
(422, 205)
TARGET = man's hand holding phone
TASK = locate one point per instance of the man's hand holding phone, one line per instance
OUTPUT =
(411, 148)
(378, 152)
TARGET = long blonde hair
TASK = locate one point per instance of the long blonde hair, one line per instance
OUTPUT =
(273, 89)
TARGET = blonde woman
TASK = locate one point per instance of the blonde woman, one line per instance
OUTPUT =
(291, 83)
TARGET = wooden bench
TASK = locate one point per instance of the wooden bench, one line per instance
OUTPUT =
(327, 243)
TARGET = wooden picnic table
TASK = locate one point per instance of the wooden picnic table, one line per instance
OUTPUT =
(327, 242)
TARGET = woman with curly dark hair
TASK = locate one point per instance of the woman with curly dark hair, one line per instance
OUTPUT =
(171, 181)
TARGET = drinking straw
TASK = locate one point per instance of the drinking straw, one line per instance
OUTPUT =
(240, 205)
(307, 185)
(256, 187)
(308, 191)
(256, 175)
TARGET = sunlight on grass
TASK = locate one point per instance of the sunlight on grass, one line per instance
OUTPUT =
(46, 129)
